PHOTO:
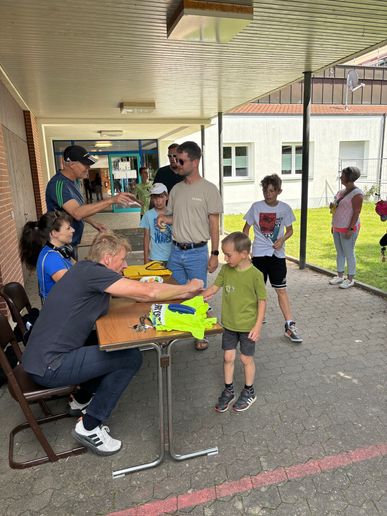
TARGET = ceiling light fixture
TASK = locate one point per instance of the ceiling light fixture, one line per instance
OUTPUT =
(211, 22)
(103, 144)
(137, 107)
(110, 133)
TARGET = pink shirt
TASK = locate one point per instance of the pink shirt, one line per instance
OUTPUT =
(344, 211)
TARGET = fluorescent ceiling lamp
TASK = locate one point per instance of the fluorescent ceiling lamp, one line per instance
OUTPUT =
(211, 22)
(110, 133)
(137, 107)
(103, 144)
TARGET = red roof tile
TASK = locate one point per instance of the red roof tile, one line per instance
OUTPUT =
(316, 109)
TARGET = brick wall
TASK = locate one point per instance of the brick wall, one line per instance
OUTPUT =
(35, 162)
(10, 266)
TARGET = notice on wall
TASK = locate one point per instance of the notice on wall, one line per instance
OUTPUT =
(124, 171)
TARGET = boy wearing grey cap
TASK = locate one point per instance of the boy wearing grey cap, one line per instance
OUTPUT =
(157, 240)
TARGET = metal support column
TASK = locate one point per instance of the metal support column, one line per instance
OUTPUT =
(220, 155)
(203, 142)
(305, 167)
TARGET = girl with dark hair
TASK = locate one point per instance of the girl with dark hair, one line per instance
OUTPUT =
(45, 245)
(346, 209)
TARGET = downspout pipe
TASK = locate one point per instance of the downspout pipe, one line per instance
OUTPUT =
(381, 154)
(220, 156)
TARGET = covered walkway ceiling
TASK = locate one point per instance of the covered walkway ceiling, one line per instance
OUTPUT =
(73, 62)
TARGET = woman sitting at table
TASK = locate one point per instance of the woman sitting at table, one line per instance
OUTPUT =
(45, 245)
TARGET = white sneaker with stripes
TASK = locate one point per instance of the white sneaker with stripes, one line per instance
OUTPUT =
(97, 440)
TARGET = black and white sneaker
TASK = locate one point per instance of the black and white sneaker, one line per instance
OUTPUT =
(77, 409)
(291, 332)
(97, 440)
(224, 400)
(244, 402)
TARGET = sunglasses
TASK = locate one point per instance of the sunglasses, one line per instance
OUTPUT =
(171, 155)
(182, 161)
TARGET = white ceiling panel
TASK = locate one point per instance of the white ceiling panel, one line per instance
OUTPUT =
(79, 60)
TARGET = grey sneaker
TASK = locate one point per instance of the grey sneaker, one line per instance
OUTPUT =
(224, 401)
(347, 283)
(336, 280)
(97, 440)
(244, 401)
(291, 332)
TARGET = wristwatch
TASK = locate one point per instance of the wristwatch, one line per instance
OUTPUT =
(215, 253)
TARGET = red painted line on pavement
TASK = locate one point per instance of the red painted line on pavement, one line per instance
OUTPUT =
(266, 478)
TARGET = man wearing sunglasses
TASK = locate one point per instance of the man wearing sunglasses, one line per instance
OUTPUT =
(62, 193)
(193, 209)
(169, 175)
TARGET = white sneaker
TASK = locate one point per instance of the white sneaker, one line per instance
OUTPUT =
(347, 283)
(336, 280)
(97, 440)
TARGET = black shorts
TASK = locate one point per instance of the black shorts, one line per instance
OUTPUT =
(231, 338)
(272, 267)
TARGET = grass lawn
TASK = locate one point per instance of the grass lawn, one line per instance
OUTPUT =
(320, 249)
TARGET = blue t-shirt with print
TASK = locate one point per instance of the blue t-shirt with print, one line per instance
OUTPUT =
(49, 262)
(59, 190)
(160, 241)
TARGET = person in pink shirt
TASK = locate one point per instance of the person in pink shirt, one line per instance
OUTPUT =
(346, 209)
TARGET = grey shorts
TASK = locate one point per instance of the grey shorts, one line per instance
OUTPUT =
(231, 338)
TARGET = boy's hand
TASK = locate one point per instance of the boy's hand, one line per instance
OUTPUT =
(255, 333)
(207, 294)
(279, 243)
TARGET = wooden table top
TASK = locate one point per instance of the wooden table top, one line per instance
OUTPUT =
(115, 329)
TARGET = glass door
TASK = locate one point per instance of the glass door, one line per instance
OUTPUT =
(124, 175)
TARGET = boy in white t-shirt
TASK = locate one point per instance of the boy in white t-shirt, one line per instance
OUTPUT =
(157, 241)
(272, 222)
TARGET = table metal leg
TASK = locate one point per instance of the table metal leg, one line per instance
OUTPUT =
(179, 456)
(122, 472)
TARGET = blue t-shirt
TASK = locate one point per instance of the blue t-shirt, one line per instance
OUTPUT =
(60, 190)
(49, 262)
(160, 241)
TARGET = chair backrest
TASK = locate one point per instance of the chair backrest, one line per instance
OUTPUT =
(7, 337)
(17, 300)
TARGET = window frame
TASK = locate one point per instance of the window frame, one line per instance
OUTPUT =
(234, 177)
(293, 173)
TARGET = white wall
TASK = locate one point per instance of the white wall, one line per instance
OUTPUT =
(267, 133)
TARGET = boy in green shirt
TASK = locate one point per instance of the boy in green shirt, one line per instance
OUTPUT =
(142, 191)
(243, 312)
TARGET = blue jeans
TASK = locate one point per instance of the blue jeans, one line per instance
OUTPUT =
(106, 374)
(345, 250)
(189, 264)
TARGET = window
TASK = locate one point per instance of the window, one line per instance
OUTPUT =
(354, 154)
(236, 161)
(291, 158)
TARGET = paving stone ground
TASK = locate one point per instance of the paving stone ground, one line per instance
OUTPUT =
(323, 398)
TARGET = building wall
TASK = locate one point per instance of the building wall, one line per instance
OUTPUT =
(265, 136)
(13, 159)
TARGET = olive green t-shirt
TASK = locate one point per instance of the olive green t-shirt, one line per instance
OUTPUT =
(242, 289)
